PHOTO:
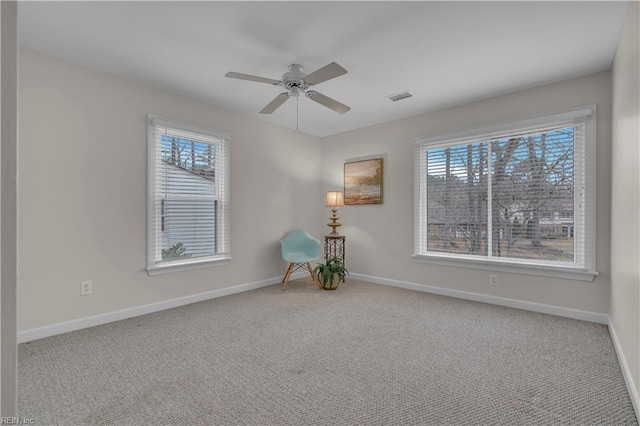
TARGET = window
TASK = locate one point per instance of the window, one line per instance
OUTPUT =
(518, 197)
(188, 205)
(566, 214)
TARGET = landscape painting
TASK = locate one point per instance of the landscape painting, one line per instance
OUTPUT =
(363, 182)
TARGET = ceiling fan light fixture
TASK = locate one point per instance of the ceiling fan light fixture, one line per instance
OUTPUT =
(294, 92)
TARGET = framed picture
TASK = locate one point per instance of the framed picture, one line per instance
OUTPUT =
(363, 182)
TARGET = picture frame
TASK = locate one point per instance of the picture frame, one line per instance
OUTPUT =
(363, 182)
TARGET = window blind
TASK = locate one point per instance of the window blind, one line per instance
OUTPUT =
(519, 196)
(188, 193)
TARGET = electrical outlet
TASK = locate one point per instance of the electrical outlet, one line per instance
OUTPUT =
(493, 279)
(86, 288)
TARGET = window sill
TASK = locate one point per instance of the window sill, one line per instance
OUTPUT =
(181, 266)
(509, 267)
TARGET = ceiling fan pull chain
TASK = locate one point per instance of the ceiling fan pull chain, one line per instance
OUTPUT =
(297, 111)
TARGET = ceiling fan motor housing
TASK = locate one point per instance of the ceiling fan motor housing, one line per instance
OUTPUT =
(295, 77)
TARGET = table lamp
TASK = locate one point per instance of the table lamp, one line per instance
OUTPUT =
(334, 200)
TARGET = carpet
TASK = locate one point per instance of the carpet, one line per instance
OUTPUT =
(365, 354)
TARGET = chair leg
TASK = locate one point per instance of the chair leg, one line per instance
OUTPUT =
(313, 277)
(285, 280)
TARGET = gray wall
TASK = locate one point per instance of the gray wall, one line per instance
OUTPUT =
(380, 237)
(82, 183)
(8, 205)
(625, 196)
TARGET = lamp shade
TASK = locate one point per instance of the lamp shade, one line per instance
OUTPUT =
(335, 199)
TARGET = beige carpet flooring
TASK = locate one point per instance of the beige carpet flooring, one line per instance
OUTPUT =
(365, 354)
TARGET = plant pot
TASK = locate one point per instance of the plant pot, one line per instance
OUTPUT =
(331, 285)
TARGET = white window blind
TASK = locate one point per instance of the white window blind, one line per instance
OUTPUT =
(188, 205)
(518, 193)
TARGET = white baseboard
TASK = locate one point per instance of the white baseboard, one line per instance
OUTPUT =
(78, 324)
(494, 300)
(626, 373)
(64, 327)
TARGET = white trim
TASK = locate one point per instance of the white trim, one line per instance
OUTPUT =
(515, 267)
(626, 373)
(585, 269)
(591, 179)
(86, 322)
(419, 194)
(151, 191)
(221, 140)
(493, 300)
(171, 267)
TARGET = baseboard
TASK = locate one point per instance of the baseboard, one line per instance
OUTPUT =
(78, 324)
(493, 300)
(67, 326)
(626, 373)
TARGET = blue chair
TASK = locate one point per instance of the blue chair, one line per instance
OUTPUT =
(300, 249)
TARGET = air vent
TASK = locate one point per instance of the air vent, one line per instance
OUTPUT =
(399, 96)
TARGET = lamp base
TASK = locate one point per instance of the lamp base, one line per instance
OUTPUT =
(334, 222)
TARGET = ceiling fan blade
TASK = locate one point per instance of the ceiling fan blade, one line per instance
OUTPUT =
(327, 101)
(325, 73)
(252, 78)
(275, 103)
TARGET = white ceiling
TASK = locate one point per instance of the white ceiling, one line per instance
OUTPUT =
(444, 53)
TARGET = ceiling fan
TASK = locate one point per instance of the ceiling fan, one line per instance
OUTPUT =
(296, 82)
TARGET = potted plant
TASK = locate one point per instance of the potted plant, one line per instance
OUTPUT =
(330, 274)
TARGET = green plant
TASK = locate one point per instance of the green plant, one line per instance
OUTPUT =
(326, 272)
(176, 250)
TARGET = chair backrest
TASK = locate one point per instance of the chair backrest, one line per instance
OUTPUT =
(300, 241)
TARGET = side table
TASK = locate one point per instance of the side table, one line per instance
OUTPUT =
(334, 247)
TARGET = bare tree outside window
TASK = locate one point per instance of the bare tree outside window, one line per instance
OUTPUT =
(502, 196)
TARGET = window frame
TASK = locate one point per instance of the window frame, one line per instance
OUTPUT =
(154, 213)
(514, 265)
